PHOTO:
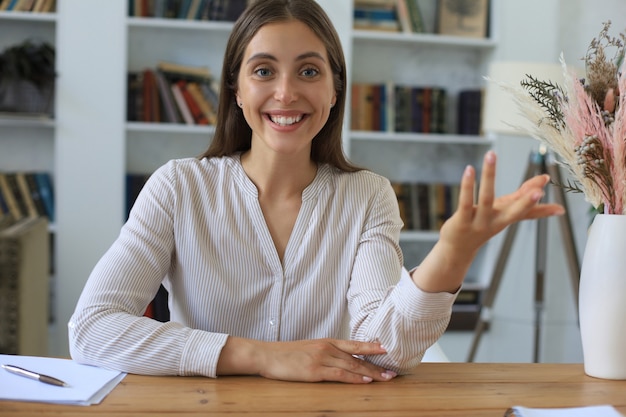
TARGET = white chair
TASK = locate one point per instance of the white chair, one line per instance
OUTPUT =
(435, 354)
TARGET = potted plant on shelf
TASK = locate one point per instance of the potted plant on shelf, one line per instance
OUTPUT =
(27, 77)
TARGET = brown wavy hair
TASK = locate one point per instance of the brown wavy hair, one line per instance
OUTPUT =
(232, 132)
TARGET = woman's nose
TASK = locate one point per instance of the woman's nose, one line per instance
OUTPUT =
(286, 90)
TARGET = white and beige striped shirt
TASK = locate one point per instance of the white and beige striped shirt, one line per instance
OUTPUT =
(197, 227)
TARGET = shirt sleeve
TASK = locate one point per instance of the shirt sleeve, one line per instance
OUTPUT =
(385, 304)
(108, 328)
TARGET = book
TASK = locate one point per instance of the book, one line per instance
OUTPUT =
(46, 191)
(404, 203)
(151, 98)
(205, 106)
(33, 187)
(379, 15)
(469, 112)
(135, 97)
(171, 114)
(404, 17)
(9, 198)
(182, 104)
(175, 70)
(194, 9)
(14, 190)
(454, 18)
(415, 16)
(199, 117)
(26, 195)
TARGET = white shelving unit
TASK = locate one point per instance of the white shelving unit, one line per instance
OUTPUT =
(150, 40)
(423, 59)
(27, 143)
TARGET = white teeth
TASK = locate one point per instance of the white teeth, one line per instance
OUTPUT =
(285, 121)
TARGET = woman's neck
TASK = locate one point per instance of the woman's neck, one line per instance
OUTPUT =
(278, 175)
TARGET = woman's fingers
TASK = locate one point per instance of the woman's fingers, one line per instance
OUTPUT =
(465, 209)
(323, 360)
(486, 192)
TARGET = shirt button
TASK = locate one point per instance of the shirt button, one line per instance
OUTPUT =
(272, 322)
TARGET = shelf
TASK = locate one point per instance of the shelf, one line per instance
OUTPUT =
(26, 121)
(370, 36)
(177, 128)
(416, 236)
(183, 24)
(29, 16)
(422, 138)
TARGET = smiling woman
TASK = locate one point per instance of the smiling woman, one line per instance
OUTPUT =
(281, 258)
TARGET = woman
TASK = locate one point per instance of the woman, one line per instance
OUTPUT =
(280, 257)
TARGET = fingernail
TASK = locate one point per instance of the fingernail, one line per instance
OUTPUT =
(389, 374)
(367, 379)
(547, 177)
(383, 348)
(468, 171)
(537, 196)
(491, 156)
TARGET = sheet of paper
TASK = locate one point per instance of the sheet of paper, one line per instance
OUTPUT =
(590, 411)
(87, 384)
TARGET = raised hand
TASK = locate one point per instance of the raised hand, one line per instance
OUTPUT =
(474, 223)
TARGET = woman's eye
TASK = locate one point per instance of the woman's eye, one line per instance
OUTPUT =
(263, 72)
(310, 72)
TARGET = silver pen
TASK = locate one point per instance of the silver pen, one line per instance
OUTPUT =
(34, 375)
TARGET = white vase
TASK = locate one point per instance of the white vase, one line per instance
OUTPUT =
(602, 298)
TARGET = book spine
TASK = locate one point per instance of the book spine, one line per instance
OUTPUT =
(14, 188)
(46, 191)
(35, 194)
(202, 102)
(198, 117)
(169, 105)
(9, 198)
(417, 21)
(24, 190)
(182, 104)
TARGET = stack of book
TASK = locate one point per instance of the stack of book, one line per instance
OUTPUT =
(220, 10)
(388, 15)
(425, 206)
(172, 93)
(35, 6)
(25, 195)
(398, 108)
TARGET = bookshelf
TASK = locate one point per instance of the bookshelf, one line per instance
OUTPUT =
(27, 143)
(426, 60)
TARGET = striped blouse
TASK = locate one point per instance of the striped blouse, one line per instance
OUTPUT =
(197, 228)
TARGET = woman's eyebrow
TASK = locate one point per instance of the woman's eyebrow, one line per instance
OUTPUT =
(265, 55)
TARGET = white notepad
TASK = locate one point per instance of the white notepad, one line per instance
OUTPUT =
(87, 384)
(589, 411)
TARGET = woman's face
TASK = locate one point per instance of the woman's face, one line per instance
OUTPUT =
(285, 87)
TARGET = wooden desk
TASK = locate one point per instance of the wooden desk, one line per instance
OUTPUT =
(435, 389)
